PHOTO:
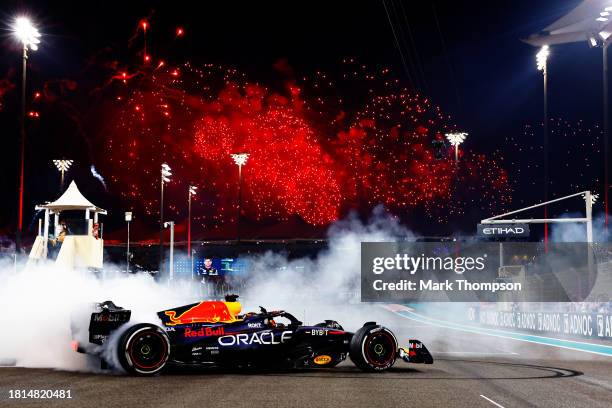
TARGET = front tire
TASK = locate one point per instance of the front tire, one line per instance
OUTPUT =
(143, 349)
(373, 348)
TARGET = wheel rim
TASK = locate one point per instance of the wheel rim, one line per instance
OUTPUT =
(148, 350)
(380, 349)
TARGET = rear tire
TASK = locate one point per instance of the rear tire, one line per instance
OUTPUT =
(373, 348)
(143, 349)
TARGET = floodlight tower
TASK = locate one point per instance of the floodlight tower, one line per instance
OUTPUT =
(455, 140)
(128, 218)
(240, 159)
(62, 166)
(605, 36)
(192, 191)
(28, 35)
(541, 61)
(166, 173)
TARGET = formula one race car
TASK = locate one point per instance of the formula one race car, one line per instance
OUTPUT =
(214, 333)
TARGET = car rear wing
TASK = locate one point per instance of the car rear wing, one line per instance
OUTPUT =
(106, 318)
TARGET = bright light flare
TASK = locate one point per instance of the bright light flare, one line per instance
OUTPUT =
(166, 172)
(180, 32)
(63, 165)
(456, 139)
(542, 56)
(240, 158)
(26, 33)
(192, 190)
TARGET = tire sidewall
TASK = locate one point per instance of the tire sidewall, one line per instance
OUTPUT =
(124, 344)
(358, 353)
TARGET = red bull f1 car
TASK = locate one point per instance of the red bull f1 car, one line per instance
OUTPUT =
(215, 334)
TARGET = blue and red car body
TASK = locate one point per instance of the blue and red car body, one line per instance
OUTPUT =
(212, 333)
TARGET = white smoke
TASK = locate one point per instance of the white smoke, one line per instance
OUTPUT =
(576, 232)
(328, 286)
(38, 303)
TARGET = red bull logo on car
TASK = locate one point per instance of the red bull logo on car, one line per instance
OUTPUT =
(203, 312)
(205, 332)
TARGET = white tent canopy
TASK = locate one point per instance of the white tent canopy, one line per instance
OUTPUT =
(578, 25)
(72, 199)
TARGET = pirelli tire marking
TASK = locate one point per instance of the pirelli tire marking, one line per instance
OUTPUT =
(141, 369)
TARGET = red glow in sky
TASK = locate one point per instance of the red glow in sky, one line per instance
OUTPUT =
(314, 152)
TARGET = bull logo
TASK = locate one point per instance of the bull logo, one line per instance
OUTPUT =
(203, 312)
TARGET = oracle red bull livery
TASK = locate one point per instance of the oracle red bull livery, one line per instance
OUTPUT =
(215, 334)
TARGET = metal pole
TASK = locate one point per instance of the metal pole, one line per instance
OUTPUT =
(189, 224)
(127, 252)
(456, 153)
(239, 201)
(22, 149)
(545, 72)
(589, 225)
(589, 216)
(582, 193)
(161, 227)
(171, 224)
(46, 233)
(192, 277)
(62, 181)
(606, 135)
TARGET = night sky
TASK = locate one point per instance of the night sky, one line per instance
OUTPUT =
(466, 57)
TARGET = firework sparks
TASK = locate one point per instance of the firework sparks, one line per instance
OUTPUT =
(325, 145)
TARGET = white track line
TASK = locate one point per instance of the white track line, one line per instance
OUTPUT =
(477, 353)
(492, 402)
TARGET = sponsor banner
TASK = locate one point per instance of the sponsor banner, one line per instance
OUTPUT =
(402, 272)
(503, 230)
(589, 325)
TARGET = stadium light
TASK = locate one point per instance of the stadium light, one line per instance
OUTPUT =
(240, 159)
(28, 35)
(541, 61)
(62, 166)
(542, 57)
(191, 192)
(455, 140)
(166, 173)
(128, 219)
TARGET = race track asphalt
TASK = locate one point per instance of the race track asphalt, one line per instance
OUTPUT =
(470, 370)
